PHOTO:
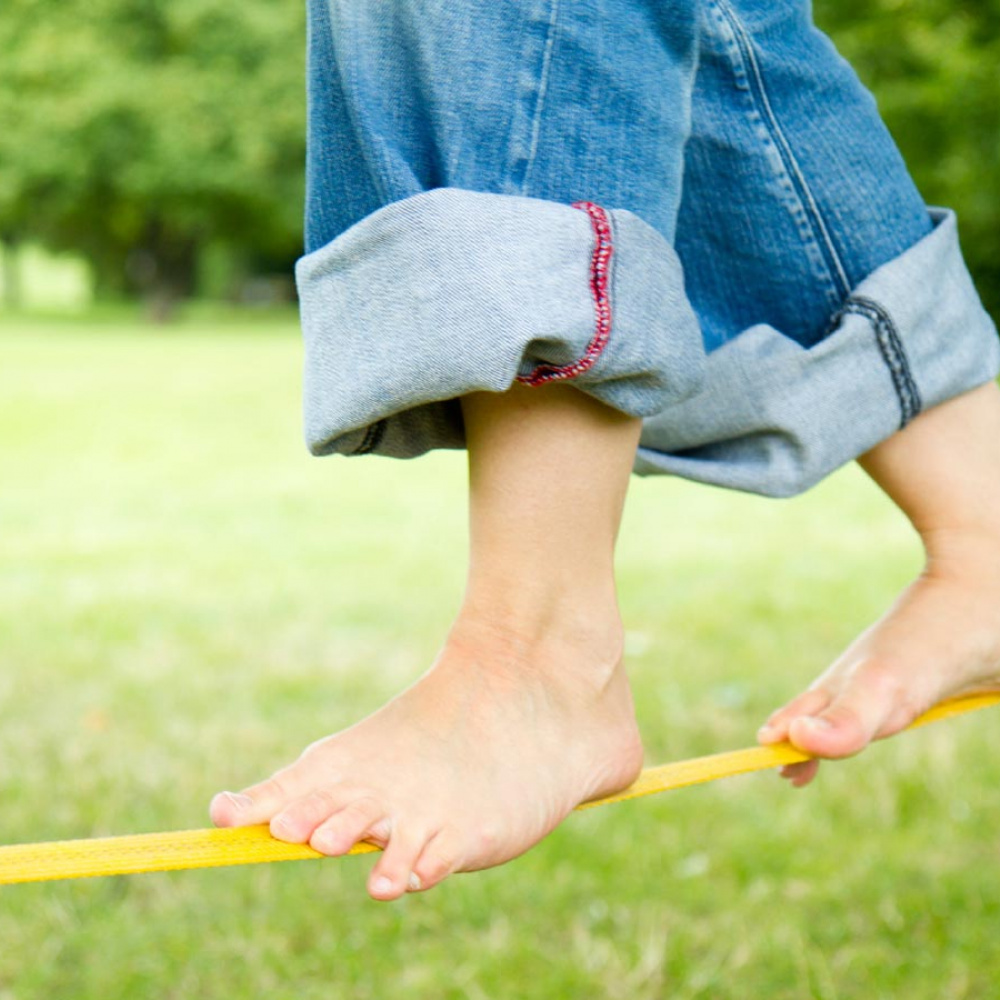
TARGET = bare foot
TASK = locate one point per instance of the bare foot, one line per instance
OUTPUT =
(468, 768)
(527, 711)
(941, 638)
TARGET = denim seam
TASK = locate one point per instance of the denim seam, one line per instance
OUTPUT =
(893, 353)
(600, 261)
(372, 439)
(521, 160)
(754, 82)
(543, 86)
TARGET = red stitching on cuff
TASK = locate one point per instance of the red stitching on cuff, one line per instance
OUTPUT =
(602, 302)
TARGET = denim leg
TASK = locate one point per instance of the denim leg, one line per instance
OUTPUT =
(834, 304)
(493, 194)
(551, 99)
(496, 191)
(817, 194)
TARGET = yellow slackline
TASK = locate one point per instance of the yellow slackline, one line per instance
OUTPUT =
(158, 852)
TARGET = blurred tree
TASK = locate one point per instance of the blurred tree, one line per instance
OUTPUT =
(137, 131)
(935, 67)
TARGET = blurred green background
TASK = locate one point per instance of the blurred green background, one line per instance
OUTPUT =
(161, 142)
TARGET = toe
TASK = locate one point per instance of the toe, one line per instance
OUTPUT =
(393, 873)
(439, 858)
(854, 717)
(799, 775)
(256, 804)
(808, 703)
(839, 733)
(228, 808)
(297, 821)
(357, 819)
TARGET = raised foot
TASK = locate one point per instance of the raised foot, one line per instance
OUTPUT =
(468, 768)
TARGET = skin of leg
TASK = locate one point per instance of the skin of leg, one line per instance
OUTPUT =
(526, 710)
(942, 636)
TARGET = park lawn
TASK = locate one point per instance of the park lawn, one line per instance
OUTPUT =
(187, 599)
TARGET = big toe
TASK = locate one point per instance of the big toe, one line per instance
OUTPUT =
(776, 728)
(230, 809)
(842, 730)
(256, 804)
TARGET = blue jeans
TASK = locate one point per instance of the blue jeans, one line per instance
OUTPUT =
(688, 208)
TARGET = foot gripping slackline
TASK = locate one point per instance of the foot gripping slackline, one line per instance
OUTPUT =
(157, 852)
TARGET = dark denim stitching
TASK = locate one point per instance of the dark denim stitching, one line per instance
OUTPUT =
(893, 353)
(372, 439)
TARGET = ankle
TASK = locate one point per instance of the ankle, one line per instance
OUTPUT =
(576, 632)
(966, 554)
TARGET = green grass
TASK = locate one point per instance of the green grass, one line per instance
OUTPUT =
(187, 598)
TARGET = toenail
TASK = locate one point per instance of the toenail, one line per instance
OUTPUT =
(414, 883)
(238, 801)
(382, 885)
(817, 722)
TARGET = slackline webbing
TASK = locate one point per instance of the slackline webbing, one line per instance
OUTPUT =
(157, 852)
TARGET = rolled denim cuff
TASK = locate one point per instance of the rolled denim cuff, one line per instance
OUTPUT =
(452, 291)
(773, 417)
